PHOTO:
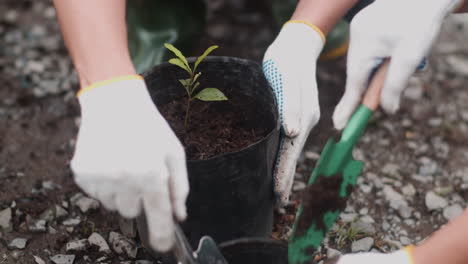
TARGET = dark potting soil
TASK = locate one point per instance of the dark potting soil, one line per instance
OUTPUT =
(317, 199)
(213, 127)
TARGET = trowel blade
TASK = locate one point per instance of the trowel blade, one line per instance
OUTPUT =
(208, 252)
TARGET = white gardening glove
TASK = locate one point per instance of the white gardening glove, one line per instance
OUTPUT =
(128, 158)
(289, 65)
(401, 30)
(403, 256)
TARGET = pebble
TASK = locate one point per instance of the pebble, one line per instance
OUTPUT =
(86, 204)
(428, 167)
(395, 198)
(77, 245)
(39, 226)
(452, 211)
(363, 244)
(5, 219)
(75, 198)
(331, 253)
(48, 215)
(18, 243)
(312, 155)
(391, 169)
(63, 259)
(404, 211)
(60, 211)
(414, 91)
(122, 245)
(299, 186)
(405, 240)
(458, 64)
(348, 217)
(408, 190)
(99, 241)
(434, 201)
(38, 260)
(363, 227)
(72, 222)
(142, 261)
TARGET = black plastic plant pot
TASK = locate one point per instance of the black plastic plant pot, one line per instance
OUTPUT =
(231, 194)
(255, 251)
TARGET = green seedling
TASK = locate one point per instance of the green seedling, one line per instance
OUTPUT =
(191, 84)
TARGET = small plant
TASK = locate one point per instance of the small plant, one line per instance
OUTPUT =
(191, 84)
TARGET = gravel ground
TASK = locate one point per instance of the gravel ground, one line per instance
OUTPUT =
(416, 163)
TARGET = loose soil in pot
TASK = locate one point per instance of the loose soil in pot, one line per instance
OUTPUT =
(214, 127)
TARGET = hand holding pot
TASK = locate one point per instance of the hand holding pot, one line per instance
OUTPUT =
(289, 65)
(128, 157)
(400, 30)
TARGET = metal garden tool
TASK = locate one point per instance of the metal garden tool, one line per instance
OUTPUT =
(207, 252)
(332, 180)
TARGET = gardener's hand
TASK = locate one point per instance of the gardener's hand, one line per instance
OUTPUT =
(403, 256)
(399, 29)
(128, 157)
(289, 65)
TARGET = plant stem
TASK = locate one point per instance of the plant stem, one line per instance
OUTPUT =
(187, 112)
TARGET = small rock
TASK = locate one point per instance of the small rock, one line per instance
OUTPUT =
(408, 190)
(391, 169)
(364, 211)
(363, 244)
(85, 204)
(365, 188)
(434, 202)
(435, 122)
(367, 219)
(18, 243)
(428, 167)
(363, 227)
(396, 199)
(404, 211)
(77, 245)
(75, 198)
(5, 219)
(452, 211)
(143, 262)
(405, 240)
(11, 16)
(312, 155)
(38, 260)
(458, 64)
(63, 259)
(48, 215)
(298, 186)
(60, 211)
(38, 226)
(72, 222)
(99, 241)
(122, 245)
(348, 217)
(331, 253)
(50, 185)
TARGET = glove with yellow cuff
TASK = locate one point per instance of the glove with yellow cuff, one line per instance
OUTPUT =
(289, 65)
(128, 158)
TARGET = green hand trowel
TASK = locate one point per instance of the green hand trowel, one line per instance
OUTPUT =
(332, 180)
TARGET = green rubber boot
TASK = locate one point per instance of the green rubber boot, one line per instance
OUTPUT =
(337, 39)
(151, 23)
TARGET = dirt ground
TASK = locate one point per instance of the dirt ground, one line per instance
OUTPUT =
(423, 149)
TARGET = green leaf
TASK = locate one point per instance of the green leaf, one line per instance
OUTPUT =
(211, 94)
(200, 59)
(179, 63)
(179, 54)
(196, 77)
(186, 84)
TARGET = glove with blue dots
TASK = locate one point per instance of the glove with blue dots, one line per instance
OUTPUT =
(289, 65)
